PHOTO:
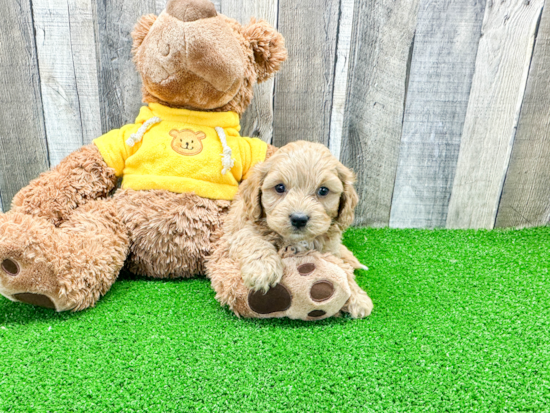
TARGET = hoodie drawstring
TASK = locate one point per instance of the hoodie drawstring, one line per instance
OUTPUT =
(136, 137)
(227, 160)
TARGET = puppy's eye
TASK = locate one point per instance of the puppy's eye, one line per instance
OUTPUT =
(323, 191)
(280, 188)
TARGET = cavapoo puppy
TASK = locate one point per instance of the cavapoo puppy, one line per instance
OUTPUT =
(300, 198)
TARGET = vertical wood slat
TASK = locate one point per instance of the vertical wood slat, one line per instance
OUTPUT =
(498, 88)
(525, 197)
(218, 5)
(159, 6)
(442, 67)
(303, 90)
(23, 151)
(257, 120)
(341, 76)
(381, 45)
(119, 82)
(68, 74)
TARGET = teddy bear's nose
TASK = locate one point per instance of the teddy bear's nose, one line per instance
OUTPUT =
(191, 10)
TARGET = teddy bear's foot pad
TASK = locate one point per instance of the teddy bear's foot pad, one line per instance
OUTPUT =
(18, 279)
(276, 299)
(35, 299)
(10, 267)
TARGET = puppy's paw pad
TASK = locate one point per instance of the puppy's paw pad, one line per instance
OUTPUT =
(276, 299)
(288, 252)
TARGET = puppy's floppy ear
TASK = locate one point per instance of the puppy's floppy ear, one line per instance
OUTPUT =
(268, 46)
(250, 192)
(348, 199)
(141, 29)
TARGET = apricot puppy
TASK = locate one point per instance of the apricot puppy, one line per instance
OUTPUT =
(302, 197)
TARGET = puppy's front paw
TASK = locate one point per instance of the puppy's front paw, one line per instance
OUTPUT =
(292, 250)
(262, 274)
(359, 305)
(288, 252)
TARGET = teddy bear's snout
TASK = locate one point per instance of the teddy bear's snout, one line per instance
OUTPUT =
(191, 10)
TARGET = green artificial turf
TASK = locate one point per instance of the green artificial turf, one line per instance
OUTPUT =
(461, 323)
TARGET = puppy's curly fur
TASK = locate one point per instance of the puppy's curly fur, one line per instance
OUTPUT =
(301, 197)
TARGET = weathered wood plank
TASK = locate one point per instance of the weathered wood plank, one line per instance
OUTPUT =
(160, 5)
(23, 151)
(525, 197)
(442, 67)
(84, 51)
(381, 46)
(303, 89)
(341, 76)
(257, 121)
(68, 74)
(498, 88)
(119, 82)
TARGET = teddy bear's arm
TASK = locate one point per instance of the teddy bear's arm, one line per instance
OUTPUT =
(88, 173)
(114, 146)
(80, 177)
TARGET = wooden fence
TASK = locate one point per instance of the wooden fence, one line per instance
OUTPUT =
(440, 106)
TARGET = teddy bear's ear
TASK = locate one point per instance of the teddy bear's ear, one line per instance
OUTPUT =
(268, 46)
(141, 29)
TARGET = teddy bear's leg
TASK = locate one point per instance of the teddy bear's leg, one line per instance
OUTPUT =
(65, 267)
(170, 234)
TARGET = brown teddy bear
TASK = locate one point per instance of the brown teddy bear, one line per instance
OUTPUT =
(65, 239)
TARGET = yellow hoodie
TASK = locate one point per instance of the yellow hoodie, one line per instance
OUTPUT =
(182, 151)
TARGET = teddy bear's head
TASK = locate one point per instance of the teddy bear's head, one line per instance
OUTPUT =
(194, 58)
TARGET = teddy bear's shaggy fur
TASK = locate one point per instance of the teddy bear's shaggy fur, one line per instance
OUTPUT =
(65, 239)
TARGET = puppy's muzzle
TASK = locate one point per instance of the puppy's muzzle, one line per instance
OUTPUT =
(299, 220)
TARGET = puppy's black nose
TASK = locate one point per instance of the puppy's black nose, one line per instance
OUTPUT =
(299, 220)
